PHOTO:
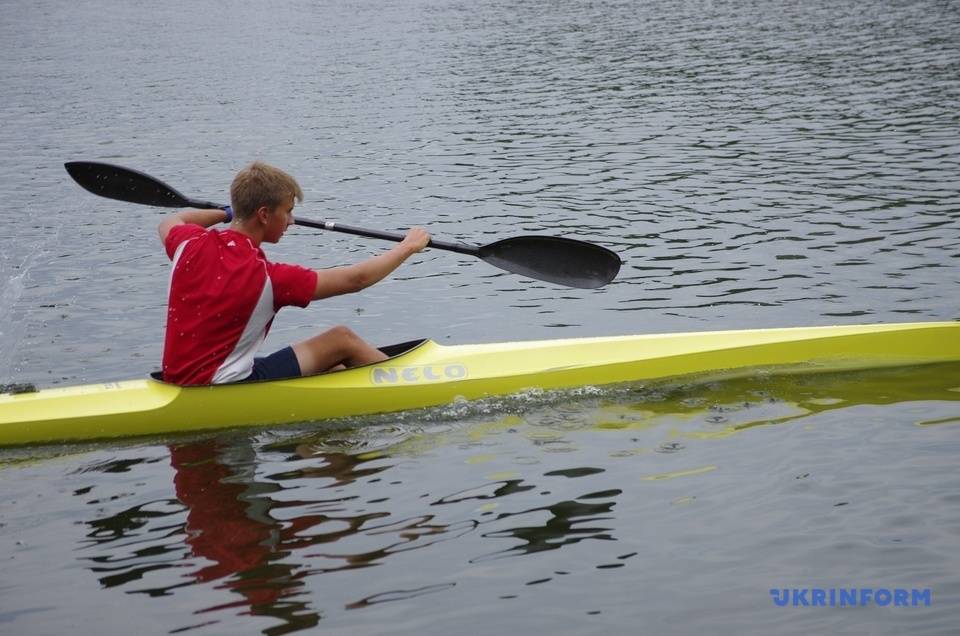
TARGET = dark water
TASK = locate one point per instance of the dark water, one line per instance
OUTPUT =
(756, 164)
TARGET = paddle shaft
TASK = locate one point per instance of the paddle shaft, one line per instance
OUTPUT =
(460, 248)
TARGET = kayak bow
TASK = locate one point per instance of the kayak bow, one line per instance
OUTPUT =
(423, 373)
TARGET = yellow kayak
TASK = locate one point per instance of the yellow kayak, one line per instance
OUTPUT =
(424, 373)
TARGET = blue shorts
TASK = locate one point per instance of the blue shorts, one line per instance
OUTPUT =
(276, 366)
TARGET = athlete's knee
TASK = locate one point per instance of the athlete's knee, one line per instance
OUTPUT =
(346, 340)
(348, 348)
(343, 333)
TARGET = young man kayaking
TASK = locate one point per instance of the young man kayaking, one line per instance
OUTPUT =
(224, 293)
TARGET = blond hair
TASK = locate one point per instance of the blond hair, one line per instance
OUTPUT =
(259, 185)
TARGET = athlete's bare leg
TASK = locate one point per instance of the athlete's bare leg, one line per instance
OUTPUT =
(338, 346)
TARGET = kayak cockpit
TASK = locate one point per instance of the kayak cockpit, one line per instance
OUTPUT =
(392, 352)
(397, 350)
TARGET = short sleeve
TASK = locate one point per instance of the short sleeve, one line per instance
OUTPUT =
(180, 233)
(292, 285)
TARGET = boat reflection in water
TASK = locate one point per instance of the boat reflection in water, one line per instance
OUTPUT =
(255, 520)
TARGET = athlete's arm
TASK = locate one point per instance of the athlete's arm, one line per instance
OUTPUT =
(204, 218)
(353, 278)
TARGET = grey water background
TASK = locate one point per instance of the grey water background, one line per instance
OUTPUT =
(756, 164)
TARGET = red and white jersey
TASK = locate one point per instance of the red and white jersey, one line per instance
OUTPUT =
(223, 296)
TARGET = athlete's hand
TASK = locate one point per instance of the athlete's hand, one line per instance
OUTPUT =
(416, 239)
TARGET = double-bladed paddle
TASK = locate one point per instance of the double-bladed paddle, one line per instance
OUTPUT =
(556, 260)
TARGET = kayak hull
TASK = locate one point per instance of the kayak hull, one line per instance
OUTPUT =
(428, 374)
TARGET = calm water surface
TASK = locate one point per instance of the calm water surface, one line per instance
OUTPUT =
(756, 164)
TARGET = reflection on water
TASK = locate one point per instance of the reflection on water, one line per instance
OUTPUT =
(277, 522)
(565, 526)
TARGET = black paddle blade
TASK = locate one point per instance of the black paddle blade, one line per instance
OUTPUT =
(125, 184)
(555, 260)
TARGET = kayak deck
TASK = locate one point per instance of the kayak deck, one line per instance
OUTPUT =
(424, 374)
